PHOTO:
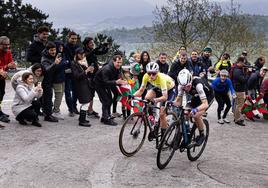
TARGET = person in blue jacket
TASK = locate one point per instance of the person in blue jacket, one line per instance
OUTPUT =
(221, 86)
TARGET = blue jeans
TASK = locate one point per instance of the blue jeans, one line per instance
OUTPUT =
(70, 96)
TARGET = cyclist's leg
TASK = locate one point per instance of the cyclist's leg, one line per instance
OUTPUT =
(163, 118)
(198, 120)
(150, 94)
(163, 115)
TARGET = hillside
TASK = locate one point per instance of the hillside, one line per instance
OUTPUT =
(145, 34)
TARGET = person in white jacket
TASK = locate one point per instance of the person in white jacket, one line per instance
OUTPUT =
(24, 106)
(37, 71)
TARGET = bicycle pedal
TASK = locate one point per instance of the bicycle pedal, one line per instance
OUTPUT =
(190, 146)
(182, 149)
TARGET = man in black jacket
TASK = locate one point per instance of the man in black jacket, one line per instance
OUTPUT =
(105, 78)
(239, 80)
(259, 63)
(162, 62)
(196, 64)
(35, 50)
(50, 63)
(206, 61)
(92, 61)
(178, 65)
(70, 95)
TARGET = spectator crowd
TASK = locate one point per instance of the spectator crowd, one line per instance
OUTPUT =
(72, 71)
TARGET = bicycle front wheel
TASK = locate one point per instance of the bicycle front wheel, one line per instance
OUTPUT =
(171, 117)
(196, 151)
(168, 145)
(132, 134)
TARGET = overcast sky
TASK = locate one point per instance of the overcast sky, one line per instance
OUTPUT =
(64, 12)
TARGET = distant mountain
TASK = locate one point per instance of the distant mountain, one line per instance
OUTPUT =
(128, 22)
(145, 34)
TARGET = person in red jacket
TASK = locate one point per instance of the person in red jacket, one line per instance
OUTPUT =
(6, 62)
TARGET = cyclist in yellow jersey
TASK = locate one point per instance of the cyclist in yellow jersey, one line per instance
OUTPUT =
(162, 90)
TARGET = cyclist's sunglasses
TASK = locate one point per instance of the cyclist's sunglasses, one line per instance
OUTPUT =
(187, 87)
(151, 73)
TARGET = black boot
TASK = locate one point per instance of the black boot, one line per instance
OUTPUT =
(124, 113)
(21, 121)
(36, 123)
(82, 119)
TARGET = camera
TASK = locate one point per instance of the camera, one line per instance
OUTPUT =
(249, 68)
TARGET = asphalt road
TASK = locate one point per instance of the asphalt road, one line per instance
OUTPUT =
(65, 155)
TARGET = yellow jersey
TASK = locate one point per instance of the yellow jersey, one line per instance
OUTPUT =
(162, 81)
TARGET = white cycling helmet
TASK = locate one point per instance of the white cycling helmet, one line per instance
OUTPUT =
(152, 67)
(185, 77)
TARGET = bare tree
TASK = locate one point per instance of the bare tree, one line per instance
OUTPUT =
(186, 22)
(234, 33)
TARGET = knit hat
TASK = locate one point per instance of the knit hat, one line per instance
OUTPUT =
(207, 49)
(224, 72)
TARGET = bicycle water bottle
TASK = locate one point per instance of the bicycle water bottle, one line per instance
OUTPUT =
(187, 126)
(151, 120)
(186, 131)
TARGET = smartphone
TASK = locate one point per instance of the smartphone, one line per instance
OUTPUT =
(58, 55)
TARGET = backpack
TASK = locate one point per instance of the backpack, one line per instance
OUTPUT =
(231, 73)
(206, 86)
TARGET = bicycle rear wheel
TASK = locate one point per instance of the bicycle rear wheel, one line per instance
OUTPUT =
(132, 134)
(196, 151)
(171, 117)
(168, 145)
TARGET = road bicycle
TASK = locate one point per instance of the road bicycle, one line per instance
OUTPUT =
(134, 130)
(181, 134)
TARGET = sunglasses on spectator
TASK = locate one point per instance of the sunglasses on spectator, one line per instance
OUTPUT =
(151, 73)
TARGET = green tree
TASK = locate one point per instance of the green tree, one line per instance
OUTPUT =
(102, 40)
(235, 33)
(64, 34)
(19, 22)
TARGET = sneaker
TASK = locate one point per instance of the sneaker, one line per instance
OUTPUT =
(3, 114)
(116, 114)
(51, 119)
(36, 123)
(226, 120)
(221, 121)
(71, 114)
(200, 139)
(93, 114)
(21, 121)
(58, 115)
(240, 123)
(109, 122)
(4, 119)
(76, 111)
